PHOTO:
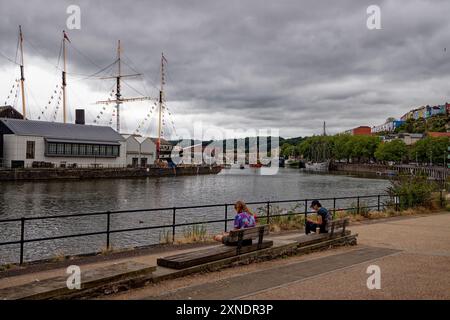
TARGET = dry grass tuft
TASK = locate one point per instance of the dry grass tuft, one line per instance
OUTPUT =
(196, 233)
(6, 267)
(59, 256)
(105, 250)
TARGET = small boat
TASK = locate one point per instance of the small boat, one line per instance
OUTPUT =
(241, 166)
(317, 166)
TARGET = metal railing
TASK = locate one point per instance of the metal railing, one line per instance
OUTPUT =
(265, 211)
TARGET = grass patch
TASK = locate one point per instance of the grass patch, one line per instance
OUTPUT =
(59, 257)
(165, 237)
(105, 250)
(192, 234)
(196, 233)
(6, 267)
(290, 220)
(363, 209)
(388, 213)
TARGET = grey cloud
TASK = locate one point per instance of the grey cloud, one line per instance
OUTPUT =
(257, 63)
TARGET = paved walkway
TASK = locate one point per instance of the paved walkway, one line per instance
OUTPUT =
(413, 254)
(260, 281)
(149, 259)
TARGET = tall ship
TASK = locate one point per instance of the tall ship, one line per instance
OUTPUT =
(320, 161)
(63, 139)
(107, 112)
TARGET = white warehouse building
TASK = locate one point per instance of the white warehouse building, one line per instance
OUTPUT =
(28, 143)
(141, 151)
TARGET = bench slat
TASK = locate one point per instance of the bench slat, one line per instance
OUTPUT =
(338, 226)
(218, 248)
(207, 255)
(248, 233)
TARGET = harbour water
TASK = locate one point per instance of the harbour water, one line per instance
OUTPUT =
(47, 198)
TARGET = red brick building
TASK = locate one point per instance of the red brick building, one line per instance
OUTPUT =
(360, 131)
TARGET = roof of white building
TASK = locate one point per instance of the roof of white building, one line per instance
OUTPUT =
(142, 139)
(63, 132)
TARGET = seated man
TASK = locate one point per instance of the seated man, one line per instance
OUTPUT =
(323, 218)
(244, 219)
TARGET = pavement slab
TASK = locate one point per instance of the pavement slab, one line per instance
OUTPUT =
(403, 276)
(57, 286)
(242, 285)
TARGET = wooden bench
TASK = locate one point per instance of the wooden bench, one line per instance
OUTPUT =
(190, 259)
(239, 236)
(336, 228)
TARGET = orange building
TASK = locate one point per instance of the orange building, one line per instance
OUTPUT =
(360, 131)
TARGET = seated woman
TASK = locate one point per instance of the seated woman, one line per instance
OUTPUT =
(244, 219)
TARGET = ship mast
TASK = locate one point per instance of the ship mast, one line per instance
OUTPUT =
(64, 76)
(161, 95)
(22, 75)
(119, 100)
(118, 94)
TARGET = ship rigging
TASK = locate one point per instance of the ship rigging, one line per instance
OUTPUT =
(59, 93)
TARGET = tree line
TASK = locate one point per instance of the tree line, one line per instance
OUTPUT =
(368, 149)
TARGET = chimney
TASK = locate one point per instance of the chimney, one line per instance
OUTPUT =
(79, 116)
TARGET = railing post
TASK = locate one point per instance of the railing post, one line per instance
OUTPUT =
(22, 238)
(357, 205)
(173, 225)
(226, 218)
(268, 212)
(334, 207)
(378, 202)
(306, 212)
(108, 228)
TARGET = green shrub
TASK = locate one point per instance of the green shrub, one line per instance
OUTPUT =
(411, 191)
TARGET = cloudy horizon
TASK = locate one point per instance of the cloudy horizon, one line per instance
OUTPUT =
(236, 64)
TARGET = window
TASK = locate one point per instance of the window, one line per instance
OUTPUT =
(75, 149)
(82, 149)
(68, 149)
(30, 149)
(51, 148)
(143, 162)
(60, 148)
(116, 151)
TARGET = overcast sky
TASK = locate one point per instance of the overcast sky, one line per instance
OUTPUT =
(236, 64)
